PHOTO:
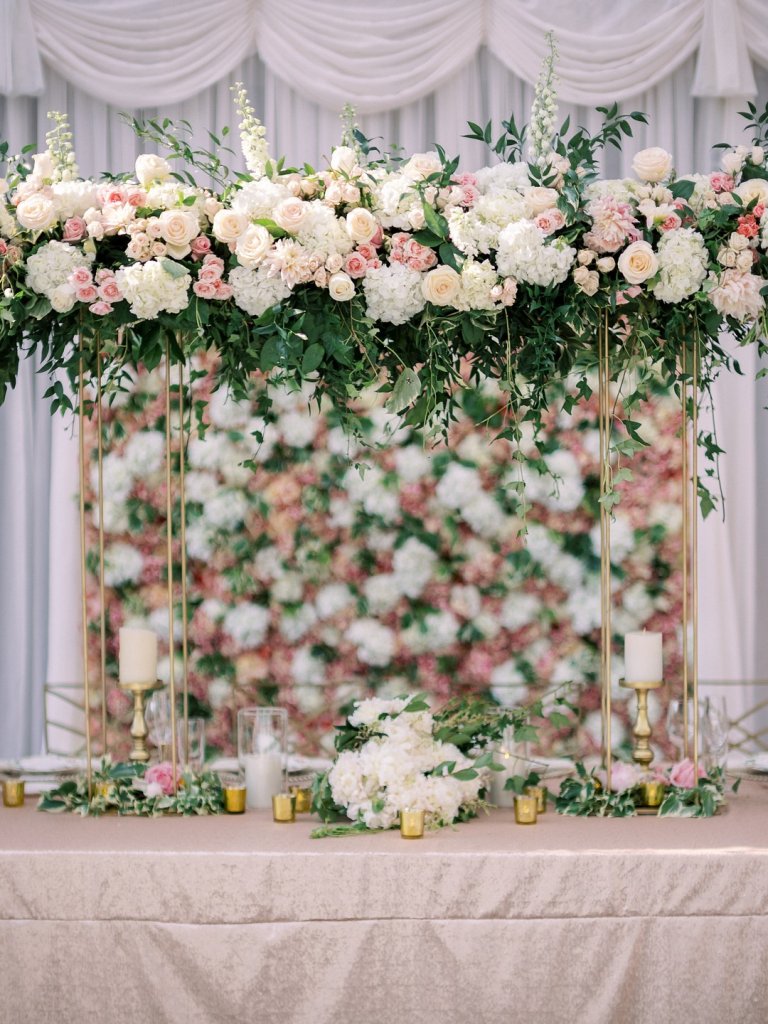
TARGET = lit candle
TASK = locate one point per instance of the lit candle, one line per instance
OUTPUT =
(263, 778)
(500, 796)
(138, 656)
(642, 658)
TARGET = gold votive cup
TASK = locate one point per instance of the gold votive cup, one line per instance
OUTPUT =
(302, 798)
(411, 824)
(541, 793)
(234, 798)
(525, 810)
(652, 793)
(283, 807)
(13, 792)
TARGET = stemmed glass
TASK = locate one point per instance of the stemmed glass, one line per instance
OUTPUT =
(158, 717)
(713, 728)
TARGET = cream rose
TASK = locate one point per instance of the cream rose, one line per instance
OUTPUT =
(344, 161)
(42, 166)
(63, 298)
(361, 225)
(341, 287)
(441, 286)
(290, 213)
(253, 245)
(652, 164)
(177, 229)
(228, 226)
(421, 165)
(638, 262)
(151, 167)
(732, 162)
(751, 189)
(37, 213)
(606, 264)
(3, 186)
(540, 199)
(756, 155)
(586, 280)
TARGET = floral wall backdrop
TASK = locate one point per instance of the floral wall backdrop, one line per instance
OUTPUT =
(324, 567)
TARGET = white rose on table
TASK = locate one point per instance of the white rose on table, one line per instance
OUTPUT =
(177, 229)
(228, 226)
(540, 199)
(344, 161)
(253, 245)
(441, 286)
(42, 165)
(290, 214)
(361, 225)
(36, 213)
(151, 167)
(341, 287)
(638, 262)
(653, 164)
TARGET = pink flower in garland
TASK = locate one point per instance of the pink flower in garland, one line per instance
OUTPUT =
(159, 779)
(682, 774)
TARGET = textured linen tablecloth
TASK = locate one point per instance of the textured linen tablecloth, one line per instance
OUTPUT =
(237, 919)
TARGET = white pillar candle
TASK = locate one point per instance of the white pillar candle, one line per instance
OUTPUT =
(642, 658)
(500, 796)
(263, 778)
(138, 655)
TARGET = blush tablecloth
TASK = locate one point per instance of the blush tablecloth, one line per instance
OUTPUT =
(235, 919)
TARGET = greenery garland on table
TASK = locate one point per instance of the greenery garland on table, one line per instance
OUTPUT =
(137, 789)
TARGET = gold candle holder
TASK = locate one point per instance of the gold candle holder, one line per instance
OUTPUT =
(234, 798)
(302, 798)
(541, 793)
(283, 807)
(411, 824)
(652, 793)
(526, 810)
(13, 792)
(641, 730)
(139, 731)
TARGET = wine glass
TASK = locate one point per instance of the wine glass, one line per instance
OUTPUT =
(713, 728)
(158, 718)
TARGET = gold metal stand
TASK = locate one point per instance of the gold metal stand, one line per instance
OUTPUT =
(641, 730)
(606, 632)
(84, 570)
(139, 730)
(102, 600)
(169, 558)
(689, 432)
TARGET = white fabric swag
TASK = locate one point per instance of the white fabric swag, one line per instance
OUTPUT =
(139, 53)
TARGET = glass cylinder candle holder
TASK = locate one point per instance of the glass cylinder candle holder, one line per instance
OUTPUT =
(191, 743)
(525, 810)
(283, 807)
(13, 792)
(261, 753)
(411, 824)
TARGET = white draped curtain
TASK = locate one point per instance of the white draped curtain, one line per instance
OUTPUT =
(416, 71)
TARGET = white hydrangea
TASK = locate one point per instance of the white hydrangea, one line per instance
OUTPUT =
(117, 477)
(502, 176)
(393, 293)
(226, 413)
(288, 589)
(340, 442)
(322, 233)
(413, 566)
(219, 692)
(435, 632)
(199, 540)
(122, 564)
(508, 685)
(458, 485)
(375, 642)
(297, 623)
(210, 452)
(562, 488)
(525, 255)
(255, 291)
(332, 599)
(247, 624)
(73, 198)
(306, 668)
(298, 428)
(518, 610)
(150, 289)
(682, 265)
(477, 280)
(49, 267)
(483, 514)
(412, 463)
(382, 592)
(478, 231)
(145, 453)
(466, 601)
(258, 199)
(199, 486)
(226, 510)
(622, 539)
(268, 564)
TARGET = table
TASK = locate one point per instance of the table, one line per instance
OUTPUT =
(236, 919)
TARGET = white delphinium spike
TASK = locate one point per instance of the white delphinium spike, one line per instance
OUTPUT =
(544, 109)
(59, 144)
(252, 133)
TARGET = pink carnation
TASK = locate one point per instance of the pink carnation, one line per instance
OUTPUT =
(160, 778)
(683, 775)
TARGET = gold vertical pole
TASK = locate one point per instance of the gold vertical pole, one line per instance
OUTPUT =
(83, 572)
(183, 513)
(695, 553)
(169, 556)
(686, 543)
(102, 602)
(606, 633)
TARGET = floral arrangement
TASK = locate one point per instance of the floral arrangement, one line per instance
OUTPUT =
(396, 754)
(137, 789)
(325, 568)
(685, 794)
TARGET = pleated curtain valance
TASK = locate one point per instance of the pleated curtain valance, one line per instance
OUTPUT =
(138, 53)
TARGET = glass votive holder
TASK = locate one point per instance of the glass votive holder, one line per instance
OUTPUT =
(652, 793)
(302, 797)
(283, 807)
(541, 793)
(13, 792)
(261, 734)
(411, 824)
(525, 810)
(233, 791)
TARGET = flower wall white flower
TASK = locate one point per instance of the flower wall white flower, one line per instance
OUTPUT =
(307, 669)
(375, 643)
(247, 624)
(297, 623)
(226, 510)
(519, 610)
(123, 563)
(382, 593)
(413, 565)
(299, 428)
(145, 453)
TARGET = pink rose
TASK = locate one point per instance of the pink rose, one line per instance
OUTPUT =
(550, 221)
(204, 289)
(759, 210)
(109, 290)
(88, 293)
(212, 260)
(100, 308)
(378, 237)
(112, 194)
(671, 223)
(200, 246)
(356, 264)
(74, 229)
(160, 778)
(3, 247)
(367, 251)
(721, 182)
(682, 774)
(223, 290)
(136, 197)
(209, 273)
(623, 776)
(80, 278)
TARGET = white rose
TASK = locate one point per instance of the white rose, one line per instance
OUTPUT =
(334, 263)
(586, 280)
(421, 165)
(416, 218)
(732, 162)
(638, 262)
(751, 189)
(37, 213)
(341, 287)
(178, 228)
(63, 298)
(606, 264)
(43, 165)
(229, 225)
(344, 161)
(253, 245)
(652, 164)
(441, 286)
(151, 167)
(290, 214)
(3, 186)
(211, 207)
(361, 225)
(540, 199)
(757, 155)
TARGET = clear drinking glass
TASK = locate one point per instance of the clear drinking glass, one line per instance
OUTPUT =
(158, 717)
(261, 751)
(192, 756)
(713, 728)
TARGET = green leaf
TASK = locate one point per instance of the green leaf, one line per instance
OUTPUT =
(313, 357)
(436, 222)
(406, 390)
(465, 775)
(274, 229)
(682, 189)
(172, 268)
